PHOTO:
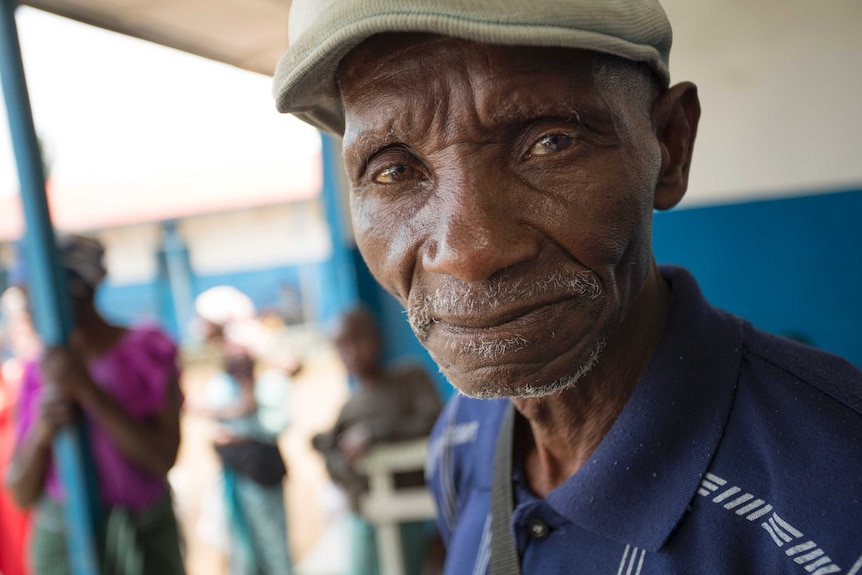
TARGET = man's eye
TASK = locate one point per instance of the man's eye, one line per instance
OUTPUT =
(551, 144)
(396, 174)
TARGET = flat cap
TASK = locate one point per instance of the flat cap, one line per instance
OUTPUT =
(322, 32)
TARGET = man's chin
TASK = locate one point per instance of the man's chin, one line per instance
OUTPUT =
(514, 392)
(484, 391)
(494, 384)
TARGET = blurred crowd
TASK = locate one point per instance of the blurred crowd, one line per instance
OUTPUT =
(122, 384)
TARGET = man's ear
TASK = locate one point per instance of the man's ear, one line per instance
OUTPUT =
(675, 116)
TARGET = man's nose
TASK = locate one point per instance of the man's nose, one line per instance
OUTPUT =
(478, 230)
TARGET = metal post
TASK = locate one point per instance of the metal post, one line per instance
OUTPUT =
(179, 278)
(342, 272)
(48, 290)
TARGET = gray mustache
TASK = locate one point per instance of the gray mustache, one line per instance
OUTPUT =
(464, 299)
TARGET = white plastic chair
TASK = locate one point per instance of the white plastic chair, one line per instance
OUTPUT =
(385, 507)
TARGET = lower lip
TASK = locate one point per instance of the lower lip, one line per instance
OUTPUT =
(533, 319)
(540, 326)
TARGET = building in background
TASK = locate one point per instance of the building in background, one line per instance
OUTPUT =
(165, 245)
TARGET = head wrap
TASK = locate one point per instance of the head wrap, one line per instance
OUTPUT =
(223, 304)
(322, 32)
(82, 255)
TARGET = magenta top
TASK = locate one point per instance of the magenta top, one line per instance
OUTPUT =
(137, 372)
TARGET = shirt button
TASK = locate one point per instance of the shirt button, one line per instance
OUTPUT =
(538, 529)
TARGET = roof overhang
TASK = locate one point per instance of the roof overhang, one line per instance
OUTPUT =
(249, 34)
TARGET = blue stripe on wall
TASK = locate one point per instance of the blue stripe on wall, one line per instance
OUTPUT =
(791, 266)
(133, 303)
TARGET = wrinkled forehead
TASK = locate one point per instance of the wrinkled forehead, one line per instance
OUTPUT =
(422, 70)
(419, 71)
(393, 58)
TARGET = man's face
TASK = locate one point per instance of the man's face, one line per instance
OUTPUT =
(504, 195)
(358, 345)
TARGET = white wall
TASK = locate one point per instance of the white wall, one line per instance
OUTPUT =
(258, 238)
(781, 90)
(130, 253)
(229, 242)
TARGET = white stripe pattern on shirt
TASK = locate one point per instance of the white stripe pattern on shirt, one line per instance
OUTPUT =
(803, 552)
(441, 454)
(632, 561)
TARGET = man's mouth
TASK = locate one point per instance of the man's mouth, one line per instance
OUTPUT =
(501, 306)
(489, 319)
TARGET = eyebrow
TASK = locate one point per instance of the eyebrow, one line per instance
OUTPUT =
(584, 110)
(373, 138)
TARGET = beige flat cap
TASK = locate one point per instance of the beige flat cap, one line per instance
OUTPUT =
(322, 32)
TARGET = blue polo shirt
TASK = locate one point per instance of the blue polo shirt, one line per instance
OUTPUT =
(738, 453)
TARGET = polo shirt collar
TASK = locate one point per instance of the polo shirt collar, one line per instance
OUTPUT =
(637, 485)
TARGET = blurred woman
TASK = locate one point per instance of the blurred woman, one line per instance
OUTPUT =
(247, 407)
(122, 384)
(251, 408)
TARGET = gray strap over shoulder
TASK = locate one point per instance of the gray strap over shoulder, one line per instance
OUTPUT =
(504, 553)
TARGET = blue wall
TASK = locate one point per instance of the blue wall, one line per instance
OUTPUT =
(790, 266)
(133, 303)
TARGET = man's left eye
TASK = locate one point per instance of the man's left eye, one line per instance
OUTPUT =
(551, 144)
(396, 173)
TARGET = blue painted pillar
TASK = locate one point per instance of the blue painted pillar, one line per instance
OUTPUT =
(179, 278)
(341, 272)
(48, 292)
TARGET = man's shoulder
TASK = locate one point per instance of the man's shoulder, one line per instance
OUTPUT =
(460, 458)
(781, 360)
(785, 476)
(465, 420)
(464, 437)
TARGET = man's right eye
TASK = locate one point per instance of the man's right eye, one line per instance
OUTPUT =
(396, 174)
(552, 144)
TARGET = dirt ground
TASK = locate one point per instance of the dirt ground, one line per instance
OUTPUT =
(317, 394)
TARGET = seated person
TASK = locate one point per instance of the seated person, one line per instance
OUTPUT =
(387, 404)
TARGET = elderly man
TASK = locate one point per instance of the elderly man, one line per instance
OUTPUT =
(504, 159)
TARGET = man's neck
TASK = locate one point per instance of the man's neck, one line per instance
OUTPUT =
(566, 428)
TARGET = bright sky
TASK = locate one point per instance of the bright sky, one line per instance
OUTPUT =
(111, 108)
